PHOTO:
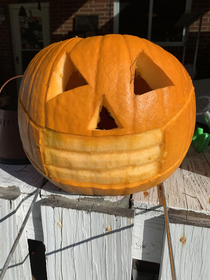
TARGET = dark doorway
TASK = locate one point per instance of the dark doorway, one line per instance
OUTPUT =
(134, 19)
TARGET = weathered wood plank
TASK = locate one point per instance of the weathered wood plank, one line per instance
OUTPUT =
(188, 188)
(9, 193)
(11, 217)
(189, 218)
(191, 246)
(91, 204)
(84, 244)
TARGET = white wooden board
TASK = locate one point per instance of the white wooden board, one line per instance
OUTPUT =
(191, 247)
(86, 245)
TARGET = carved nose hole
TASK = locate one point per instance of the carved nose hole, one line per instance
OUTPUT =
(140, 85)
(106, 121)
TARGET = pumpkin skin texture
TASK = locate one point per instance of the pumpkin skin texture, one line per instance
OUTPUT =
(146, 91)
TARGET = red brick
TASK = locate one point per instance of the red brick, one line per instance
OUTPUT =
(97, 5)
(105, 10)
(193, 29)
(86, 10)
(206, 23)
(104, 18)
(108, 6)
(205, 19)
(100, 14)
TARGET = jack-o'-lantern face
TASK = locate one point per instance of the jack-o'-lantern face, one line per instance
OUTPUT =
(106, 115)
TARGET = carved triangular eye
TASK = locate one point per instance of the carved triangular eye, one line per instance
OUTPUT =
(64, 77)
(75, 80)
(140, 85)
(147, 76)
(104, 117)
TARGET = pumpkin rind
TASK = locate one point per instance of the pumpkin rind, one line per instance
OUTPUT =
(58, 114)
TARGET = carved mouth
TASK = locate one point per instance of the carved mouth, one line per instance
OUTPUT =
(103, 160)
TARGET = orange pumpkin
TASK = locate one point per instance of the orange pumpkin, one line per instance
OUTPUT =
(106, 115)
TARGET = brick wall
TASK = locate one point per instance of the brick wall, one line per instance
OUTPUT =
(62, 15)
(204, 7)
(205, 27)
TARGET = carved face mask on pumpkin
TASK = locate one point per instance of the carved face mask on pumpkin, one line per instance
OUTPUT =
(106, 115)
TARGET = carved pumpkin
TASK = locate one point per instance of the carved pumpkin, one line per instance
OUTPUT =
(106, 115)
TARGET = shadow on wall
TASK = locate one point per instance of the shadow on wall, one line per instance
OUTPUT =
(59, 17)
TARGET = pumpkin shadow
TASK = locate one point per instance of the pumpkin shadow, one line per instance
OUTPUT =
(19, 175)
(25, 177)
